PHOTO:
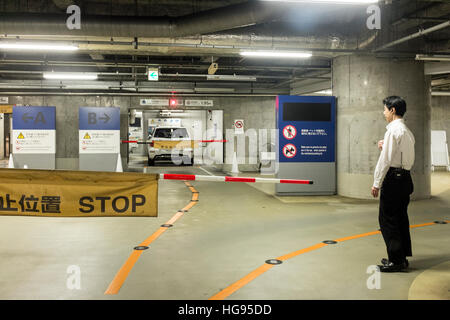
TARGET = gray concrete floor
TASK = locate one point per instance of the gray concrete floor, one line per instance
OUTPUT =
(232, 230)
(3, 163)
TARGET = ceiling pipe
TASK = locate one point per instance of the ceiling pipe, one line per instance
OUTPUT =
(421, 33)
(134, 94)
(217, 45)
(63, 4)
(174, 75)
(413, 19)
(113, 64)
(169, 32)
(225, 18)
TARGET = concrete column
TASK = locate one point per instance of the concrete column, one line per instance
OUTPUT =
(360, 84)
(2, 136)
(440, 115)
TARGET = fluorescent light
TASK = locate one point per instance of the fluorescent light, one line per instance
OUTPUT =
(426, 57)
(214, 90)
(276, 54)
(70, 76)
(230, 77)
(173, 111)
(37, 46)
(440, 93)
(330, 1)
(327, 92)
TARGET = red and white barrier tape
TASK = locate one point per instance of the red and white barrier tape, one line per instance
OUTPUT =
(166, 176)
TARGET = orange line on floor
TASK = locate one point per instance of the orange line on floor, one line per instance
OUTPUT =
(242, 282)
(123, 272)
(153, 237)
(120, 277)
(265, 267)
(177, 216)
(302, 251)
(358, 236)
(422, 225)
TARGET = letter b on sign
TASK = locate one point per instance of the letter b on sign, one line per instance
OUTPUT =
(92, 118)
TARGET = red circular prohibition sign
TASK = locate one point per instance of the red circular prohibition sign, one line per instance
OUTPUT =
(289, 150)
(289, 132)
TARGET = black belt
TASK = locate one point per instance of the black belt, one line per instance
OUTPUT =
(397, 173)
(398, 169)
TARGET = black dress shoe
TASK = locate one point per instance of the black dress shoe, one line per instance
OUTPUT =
(385, 261)
(391, 267)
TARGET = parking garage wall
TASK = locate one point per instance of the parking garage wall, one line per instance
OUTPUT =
(440, 115)
(257, 113)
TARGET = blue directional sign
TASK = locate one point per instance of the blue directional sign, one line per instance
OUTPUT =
(34, 118)
(99, 118)
(307, 126)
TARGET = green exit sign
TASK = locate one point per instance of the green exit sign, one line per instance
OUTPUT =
(153, 74)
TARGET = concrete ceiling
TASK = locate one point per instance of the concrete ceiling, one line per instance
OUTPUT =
(120, 39)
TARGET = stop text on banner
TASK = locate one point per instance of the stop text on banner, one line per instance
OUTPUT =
(77, 194)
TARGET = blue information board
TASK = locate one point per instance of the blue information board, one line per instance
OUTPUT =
(33, 118)
(307, 127)
(99, 118)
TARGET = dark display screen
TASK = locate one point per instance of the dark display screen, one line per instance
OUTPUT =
(306, 111)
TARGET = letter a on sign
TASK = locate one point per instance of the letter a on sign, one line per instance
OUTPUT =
(39, 118)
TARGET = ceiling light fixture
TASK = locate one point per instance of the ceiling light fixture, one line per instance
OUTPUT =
(207, 90)
(324, 92)
(37, 46)
(276, 54)
(173, 111)
(440, 93)
(228, 77)
(427, 57)
(330, 1)
(70, 76)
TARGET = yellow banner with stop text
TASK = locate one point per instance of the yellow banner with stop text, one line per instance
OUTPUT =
(61, 193)
(174, 144)
(6, 108)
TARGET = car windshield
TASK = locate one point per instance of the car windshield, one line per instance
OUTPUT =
(173, 133)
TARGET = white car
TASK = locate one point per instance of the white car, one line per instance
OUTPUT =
(170, 143)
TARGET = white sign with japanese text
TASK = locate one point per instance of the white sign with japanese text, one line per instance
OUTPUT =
(34, 141)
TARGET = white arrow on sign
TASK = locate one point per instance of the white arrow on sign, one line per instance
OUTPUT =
(153, 74)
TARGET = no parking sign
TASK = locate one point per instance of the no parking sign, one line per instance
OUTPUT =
(238, 126)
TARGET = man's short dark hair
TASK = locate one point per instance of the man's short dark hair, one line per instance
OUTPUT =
(396, 102)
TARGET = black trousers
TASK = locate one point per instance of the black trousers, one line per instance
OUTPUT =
(393, 214)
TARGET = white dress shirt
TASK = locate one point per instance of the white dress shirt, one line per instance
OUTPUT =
(397, 152)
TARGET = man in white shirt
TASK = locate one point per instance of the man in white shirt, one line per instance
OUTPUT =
(392, 179)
